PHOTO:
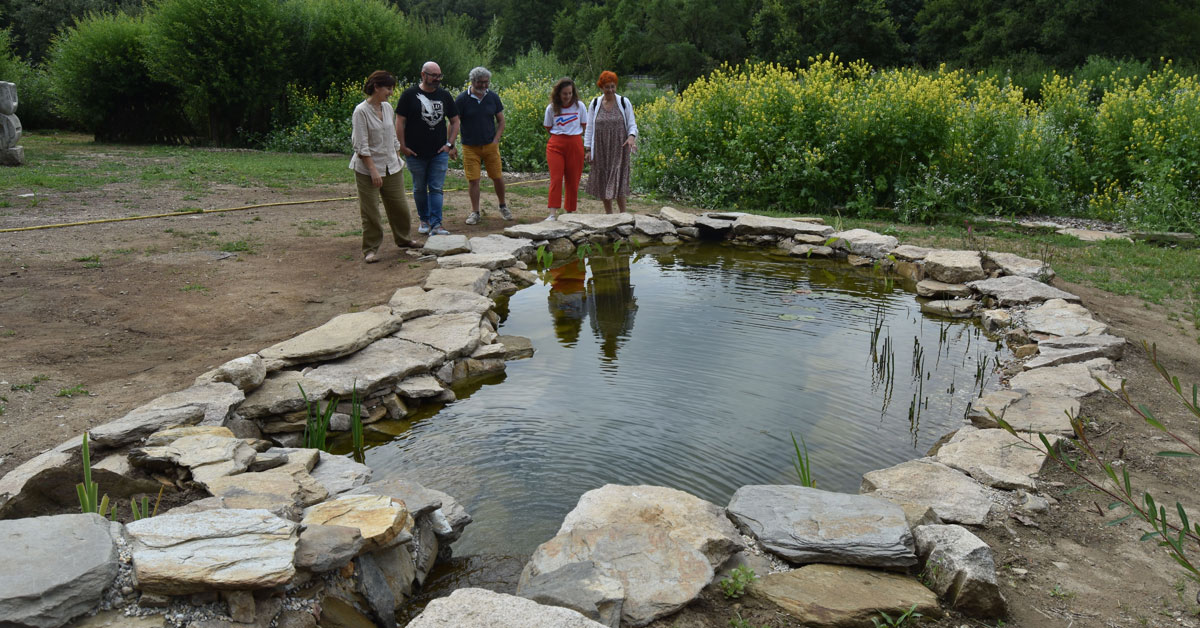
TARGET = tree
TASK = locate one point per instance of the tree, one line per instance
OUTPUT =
(34, 23)
(790, 33)
(229, 58)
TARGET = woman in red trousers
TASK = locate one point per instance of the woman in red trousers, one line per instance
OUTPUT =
(566, 118)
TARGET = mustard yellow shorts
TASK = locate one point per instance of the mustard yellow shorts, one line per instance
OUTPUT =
(489, 154)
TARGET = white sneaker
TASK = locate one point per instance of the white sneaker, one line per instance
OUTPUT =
(473, 219)
(507, 215)
(438, 230)
(551, 217)
(424, 228)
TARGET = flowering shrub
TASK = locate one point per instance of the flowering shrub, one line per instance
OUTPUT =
(927, 143)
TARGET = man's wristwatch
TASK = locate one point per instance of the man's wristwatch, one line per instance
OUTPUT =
(449, 144)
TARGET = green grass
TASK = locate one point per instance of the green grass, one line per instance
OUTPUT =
(31, 385)
(238, 246)
(76, 390)
(67, 162)
(194, 287)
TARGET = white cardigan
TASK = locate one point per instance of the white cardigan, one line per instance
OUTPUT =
(623, 105)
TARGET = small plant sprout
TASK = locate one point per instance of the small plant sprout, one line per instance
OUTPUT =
(74, 391)
(906, 618)
(316, 427)
(734, 586)
(356, 426)
(802, 462)
(144, 512)
(88, 491)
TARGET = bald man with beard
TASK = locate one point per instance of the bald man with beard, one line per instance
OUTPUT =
(426, 125)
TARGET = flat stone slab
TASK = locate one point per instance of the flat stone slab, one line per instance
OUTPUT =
(490, 261)
(710, 223)
(516, 347)
(455, 335)
(1015, 290)
(544, 230)
(519, 248)
(1060, 318)
(413, 302)
(480, 608)
(751, 224)
(961, 569)
(324, 548)
(844, 597)
(809, 250)
(910, 253)
(342, 335)
(1068, 349)
(337, 474)
(951, 308)
(952, 494)
(420, 387)
(448, 517)
(934, 288)
(677, 218)
(176, 554)
(651, 226)
(1092, 235)
(57, 568)
(280, 394)
(1015, 265)
(865, 243)
(381, 364)
(446, 245)
(467, 278)
(1067, 380)
(1039, 413)
(597, 222)
(807, 525)
(379, 519)
(994, 457)
(954, 266)
(208, 404)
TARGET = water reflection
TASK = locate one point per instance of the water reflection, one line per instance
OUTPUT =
(568, 300)
(611, 304)
(605, 299)
(733, 351)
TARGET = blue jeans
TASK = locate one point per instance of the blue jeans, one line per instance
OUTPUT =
(428, 175)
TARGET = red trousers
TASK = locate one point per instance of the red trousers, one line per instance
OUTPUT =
(564, 154)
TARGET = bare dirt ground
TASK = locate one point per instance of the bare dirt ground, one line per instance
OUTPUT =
(97, 320)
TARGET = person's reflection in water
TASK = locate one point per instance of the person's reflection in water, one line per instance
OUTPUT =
(610, 302)
(567, 301)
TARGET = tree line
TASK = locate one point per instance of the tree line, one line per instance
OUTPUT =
(218, 68)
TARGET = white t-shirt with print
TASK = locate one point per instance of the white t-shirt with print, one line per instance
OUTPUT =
(569, 122)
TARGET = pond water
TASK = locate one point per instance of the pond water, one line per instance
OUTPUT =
(690, 368)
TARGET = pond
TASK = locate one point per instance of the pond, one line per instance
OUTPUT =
(691, 367)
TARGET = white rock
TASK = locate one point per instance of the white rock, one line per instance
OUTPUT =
(222, 549)
(342, 335)
(479, 608)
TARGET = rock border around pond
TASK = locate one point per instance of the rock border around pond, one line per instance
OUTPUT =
(279, 532)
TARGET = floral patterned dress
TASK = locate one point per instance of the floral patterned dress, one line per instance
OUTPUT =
(609, 177)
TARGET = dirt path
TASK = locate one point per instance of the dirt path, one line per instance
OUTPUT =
(128, 311)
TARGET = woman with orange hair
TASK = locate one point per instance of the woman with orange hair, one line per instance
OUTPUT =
(608, 142)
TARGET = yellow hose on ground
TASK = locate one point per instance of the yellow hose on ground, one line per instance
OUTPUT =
(193, 212)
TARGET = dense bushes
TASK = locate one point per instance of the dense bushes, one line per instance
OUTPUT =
(230, 58)
(224, 65)
(927, 144)
(102, 84)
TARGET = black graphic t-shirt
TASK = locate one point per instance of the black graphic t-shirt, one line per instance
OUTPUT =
(425, 115)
